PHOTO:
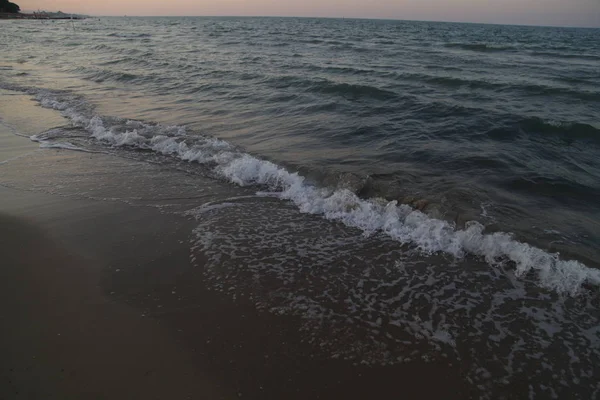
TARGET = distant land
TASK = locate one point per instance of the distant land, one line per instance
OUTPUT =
(9, 10)
(6, 7)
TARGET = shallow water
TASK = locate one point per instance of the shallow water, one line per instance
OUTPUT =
(387, 181)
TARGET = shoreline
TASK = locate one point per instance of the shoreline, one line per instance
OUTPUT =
(98, 326)
(102, 300)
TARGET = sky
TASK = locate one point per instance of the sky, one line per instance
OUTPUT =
(527, 12)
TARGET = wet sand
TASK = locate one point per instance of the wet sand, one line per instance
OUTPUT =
(64, 338)
(100, 301)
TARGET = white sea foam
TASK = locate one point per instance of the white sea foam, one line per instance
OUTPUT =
(356, 304)
(399, 221)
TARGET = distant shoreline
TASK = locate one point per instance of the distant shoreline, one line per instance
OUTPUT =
(34, 16)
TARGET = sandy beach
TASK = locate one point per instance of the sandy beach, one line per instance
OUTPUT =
(64, 335)
(100, 299)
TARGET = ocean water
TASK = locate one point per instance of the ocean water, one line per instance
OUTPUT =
(394, 184)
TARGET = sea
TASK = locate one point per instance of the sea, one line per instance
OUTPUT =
(407, 190)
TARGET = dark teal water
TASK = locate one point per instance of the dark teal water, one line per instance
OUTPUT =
(474, 148)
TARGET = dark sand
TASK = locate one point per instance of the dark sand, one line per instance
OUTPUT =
(100, 301)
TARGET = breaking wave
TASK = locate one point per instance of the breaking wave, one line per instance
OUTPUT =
(374, 215)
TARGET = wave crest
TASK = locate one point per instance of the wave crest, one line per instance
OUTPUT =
(373, 215)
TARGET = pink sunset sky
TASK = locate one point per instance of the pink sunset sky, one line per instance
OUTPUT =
(529, 12)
